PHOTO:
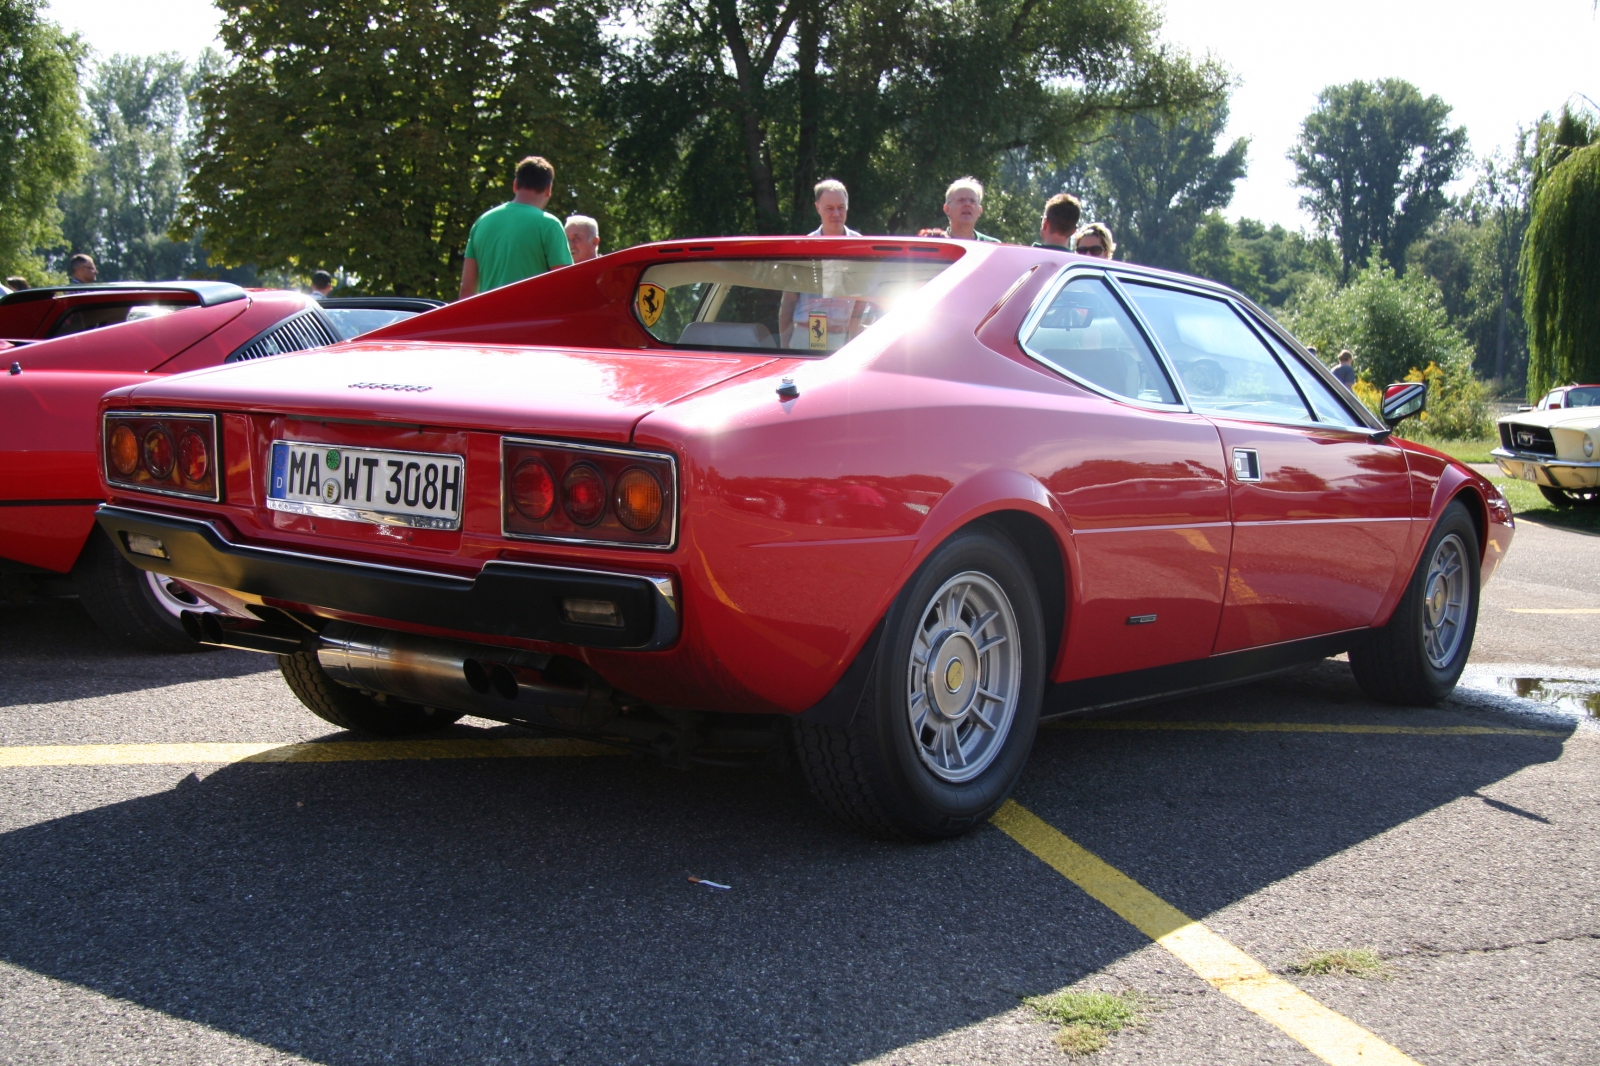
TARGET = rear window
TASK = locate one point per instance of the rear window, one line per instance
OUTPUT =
(809, 305)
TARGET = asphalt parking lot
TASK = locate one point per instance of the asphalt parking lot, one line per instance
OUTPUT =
(267, 903)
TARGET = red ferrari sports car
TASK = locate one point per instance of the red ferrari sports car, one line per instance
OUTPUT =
(887, 501)
(65, 346)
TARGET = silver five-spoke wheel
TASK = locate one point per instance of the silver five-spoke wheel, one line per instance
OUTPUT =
(1444, 607)
(964, 677)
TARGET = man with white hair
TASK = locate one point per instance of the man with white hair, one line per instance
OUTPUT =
(583, 237)
(963, 206)
(833, 205)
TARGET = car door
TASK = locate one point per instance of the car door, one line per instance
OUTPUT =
(1140, 480)
(1321, 502)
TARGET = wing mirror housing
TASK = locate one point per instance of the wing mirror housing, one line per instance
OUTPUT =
(1402, 400)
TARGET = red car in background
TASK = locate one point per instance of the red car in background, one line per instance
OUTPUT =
(891, 501)
(63, 347)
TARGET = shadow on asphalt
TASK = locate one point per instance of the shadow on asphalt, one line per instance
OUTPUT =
(539, 910)
(52, 651)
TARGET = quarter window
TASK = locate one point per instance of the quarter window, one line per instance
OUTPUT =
(1224, 367)
(1087, 334)
(1323, 400)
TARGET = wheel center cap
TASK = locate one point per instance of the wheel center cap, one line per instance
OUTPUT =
(951, 679)
(1436, 599)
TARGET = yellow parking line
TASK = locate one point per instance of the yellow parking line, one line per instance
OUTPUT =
(333, 751)
(1312, 727)
(1325, 1033)
(1554, 610)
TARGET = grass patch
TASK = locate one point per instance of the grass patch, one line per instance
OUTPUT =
(1088, 1019)
(1343, 962)
(1527, 502)
(1467, 451)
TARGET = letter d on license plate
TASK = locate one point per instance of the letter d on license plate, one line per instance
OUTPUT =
(421, 489)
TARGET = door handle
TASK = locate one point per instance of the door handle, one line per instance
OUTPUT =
(1246, 466)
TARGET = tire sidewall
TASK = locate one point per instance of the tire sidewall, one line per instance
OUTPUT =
(1441, 681)
(923, 803)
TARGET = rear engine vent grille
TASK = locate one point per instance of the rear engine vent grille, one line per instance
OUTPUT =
(305, 330)
(1529, 440)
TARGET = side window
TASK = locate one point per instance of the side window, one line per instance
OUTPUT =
(1087, 334)
(1224, 366)
(1323, 400)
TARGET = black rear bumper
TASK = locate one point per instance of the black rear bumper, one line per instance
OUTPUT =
(504, 599)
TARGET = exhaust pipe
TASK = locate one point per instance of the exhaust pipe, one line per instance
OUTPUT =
(499, 683)
(216, 631)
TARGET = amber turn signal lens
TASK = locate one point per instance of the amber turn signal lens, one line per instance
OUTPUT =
(193, 458)
(585, 492)
(158, 454)
(124, 451)
(533, 490)
(638, 500)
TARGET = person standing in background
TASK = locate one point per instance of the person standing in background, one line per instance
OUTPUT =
(1061, 214)
(963, 206)
(16, 283)
(833, 207)
(1346, 370)
(321, 284)
(1095, 239)
(583, 238)
(516, 240)
(81, 270)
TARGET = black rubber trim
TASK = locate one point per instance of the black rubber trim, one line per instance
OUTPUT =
(1116, 691)
(50, 503)
(504, 599)
(838, 707)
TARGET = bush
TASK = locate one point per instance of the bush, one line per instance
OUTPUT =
(1399, 331)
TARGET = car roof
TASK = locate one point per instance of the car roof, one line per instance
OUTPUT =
(207, 293)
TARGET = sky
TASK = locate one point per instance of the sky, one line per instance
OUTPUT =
(1496, 64)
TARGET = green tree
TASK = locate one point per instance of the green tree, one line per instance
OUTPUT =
(1398, 328)
(1561, 257)
(1156, 177)
(728, 110)
(41, 128)
(1269, 264)
(371, 134)
(140, 128)
(1374, 159)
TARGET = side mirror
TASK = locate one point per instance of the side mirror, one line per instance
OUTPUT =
(1402, 400)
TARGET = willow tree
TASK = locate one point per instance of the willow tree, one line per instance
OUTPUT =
(1561, 260)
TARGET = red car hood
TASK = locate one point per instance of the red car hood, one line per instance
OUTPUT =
(588, 393)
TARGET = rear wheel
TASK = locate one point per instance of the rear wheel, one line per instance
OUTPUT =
(1570, 497)
(135, 606)
(353, 709)
(950, 710)
(1418, 656)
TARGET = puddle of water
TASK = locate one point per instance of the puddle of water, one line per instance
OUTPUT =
(1578, 697)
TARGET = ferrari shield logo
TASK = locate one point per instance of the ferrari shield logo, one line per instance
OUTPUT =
(818, 330)
(651, 301)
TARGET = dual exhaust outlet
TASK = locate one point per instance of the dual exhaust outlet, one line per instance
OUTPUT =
(503, 684)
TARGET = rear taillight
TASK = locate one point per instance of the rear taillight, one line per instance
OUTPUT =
(168, 453)
(588, 494)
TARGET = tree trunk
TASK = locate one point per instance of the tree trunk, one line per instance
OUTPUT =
(805, 163)
(763, 190)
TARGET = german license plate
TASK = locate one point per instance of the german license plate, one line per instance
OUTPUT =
(421, 489)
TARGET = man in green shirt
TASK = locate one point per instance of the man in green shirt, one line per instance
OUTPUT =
(963, 206)
(516, 240)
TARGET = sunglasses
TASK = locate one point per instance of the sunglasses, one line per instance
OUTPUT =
(1091, 249)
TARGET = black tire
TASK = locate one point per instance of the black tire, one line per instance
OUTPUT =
(1393, 664)
(873, 774)
(122, 602)
(1570, 497)
(352, 709)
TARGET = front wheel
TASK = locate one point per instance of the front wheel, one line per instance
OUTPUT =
(951, 707)
(1417, 657)
(1570, 497)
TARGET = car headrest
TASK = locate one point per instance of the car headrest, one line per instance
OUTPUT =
(727, 335)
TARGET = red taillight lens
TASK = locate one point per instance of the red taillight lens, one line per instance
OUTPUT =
(638, 500)
(194, 458)
(583, 493)
(168, 453)
(533, 490)
(158, 454)
(124, 450)
(588, 494)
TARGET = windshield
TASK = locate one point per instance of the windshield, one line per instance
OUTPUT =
(351, 322)
(814, 305)
(1582, 398)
